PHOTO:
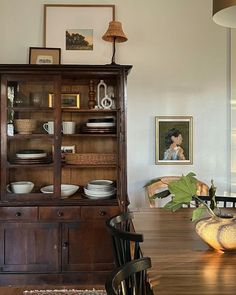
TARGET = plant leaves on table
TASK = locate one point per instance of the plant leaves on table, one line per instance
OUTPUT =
(173, 206)
(182, 190)
(198, 212)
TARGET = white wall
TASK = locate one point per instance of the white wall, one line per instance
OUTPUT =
(180, 60)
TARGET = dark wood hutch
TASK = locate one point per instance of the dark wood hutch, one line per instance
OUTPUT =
(46, 239)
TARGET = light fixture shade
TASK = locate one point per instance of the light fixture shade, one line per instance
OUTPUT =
(115, 31)
(224, 13)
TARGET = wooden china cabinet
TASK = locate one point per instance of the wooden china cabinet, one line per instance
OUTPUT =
(45, 238)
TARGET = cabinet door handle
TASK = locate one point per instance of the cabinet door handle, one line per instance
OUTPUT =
(18, 214)
(102, 213)
(60, 213)
(65, 245)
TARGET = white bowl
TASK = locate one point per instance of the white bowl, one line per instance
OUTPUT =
(20, 187)
(103, 184)
(66, 189)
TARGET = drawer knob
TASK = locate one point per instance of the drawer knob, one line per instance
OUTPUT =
(18, 214)
(102, 213)
(65, 245)
(60, 213)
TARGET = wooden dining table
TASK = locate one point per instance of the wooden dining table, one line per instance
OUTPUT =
(181, 262)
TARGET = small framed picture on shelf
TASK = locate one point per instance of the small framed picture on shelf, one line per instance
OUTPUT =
(68, 100)
(44, 56)
(65, 149)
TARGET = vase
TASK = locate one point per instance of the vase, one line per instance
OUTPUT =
(218, 232)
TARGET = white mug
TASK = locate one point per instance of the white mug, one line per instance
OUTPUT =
(68, 127)
(49, 127)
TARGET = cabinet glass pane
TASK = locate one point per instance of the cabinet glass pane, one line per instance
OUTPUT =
(29, 93)
(30, 135)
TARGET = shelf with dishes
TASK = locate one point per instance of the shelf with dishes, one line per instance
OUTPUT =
(98, 189)
(30, 157)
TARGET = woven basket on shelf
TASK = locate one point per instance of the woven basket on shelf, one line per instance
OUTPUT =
(90, 159)
(25, 126)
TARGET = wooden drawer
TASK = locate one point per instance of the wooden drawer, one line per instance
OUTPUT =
(59, 213)
(99, 212)
(18, 213)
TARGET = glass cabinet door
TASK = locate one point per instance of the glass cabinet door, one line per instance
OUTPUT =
(32, 137)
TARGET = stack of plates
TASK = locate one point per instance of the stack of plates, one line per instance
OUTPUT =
(99, 125)
(100, 189)
(31, 157)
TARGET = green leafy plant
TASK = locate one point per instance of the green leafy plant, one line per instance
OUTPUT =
(184, 191)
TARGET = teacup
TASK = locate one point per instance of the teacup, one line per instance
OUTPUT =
(49, 127)
(20, 187)
(68, 127)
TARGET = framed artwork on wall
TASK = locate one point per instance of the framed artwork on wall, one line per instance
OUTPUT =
(174, 140)
(78, 31)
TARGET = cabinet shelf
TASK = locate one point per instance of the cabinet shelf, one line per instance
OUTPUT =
(89, 166)
(90, 135)
(74, 110)
(51, 165)
(30, 136)
(30, 109)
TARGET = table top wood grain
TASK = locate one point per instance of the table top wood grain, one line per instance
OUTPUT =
(182, 264)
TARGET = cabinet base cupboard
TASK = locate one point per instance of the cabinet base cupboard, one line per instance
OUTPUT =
(63, 171)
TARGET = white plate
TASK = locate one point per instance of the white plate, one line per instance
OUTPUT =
(31, 156)
(101, 124)
(98, 198)
(99, 194)
(66, 189)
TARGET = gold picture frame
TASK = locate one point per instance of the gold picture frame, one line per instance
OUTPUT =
(44, 55)
(68, 100)
(174, 140)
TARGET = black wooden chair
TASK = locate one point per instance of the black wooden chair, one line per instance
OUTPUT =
(125, 241)
(130, 279)
(222, 202)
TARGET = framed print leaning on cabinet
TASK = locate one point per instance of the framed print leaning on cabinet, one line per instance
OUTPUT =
(44, 56)
(174, 140)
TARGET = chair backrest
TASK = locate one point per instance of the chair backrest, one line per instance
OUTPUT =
(130, 279)
(223, 202)
(125, 242)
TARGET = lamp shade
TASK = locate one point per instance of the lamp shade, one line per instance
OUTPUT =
(115, 31)
(224, 13)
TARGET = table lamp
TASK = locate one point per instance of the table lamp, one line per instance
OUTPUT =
(114, 34)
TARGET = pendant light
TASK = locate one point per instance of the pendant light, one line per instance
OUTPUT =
(224, 13)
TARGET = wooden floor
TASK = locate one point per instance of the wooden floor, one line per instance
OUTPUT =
(19, 290)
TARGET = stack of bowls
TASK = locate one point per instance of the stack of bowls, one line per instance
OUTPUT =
(100, 189)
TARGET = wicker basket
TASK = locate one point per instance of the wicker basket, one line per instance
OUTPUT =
(25, 126)
(90, 159)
